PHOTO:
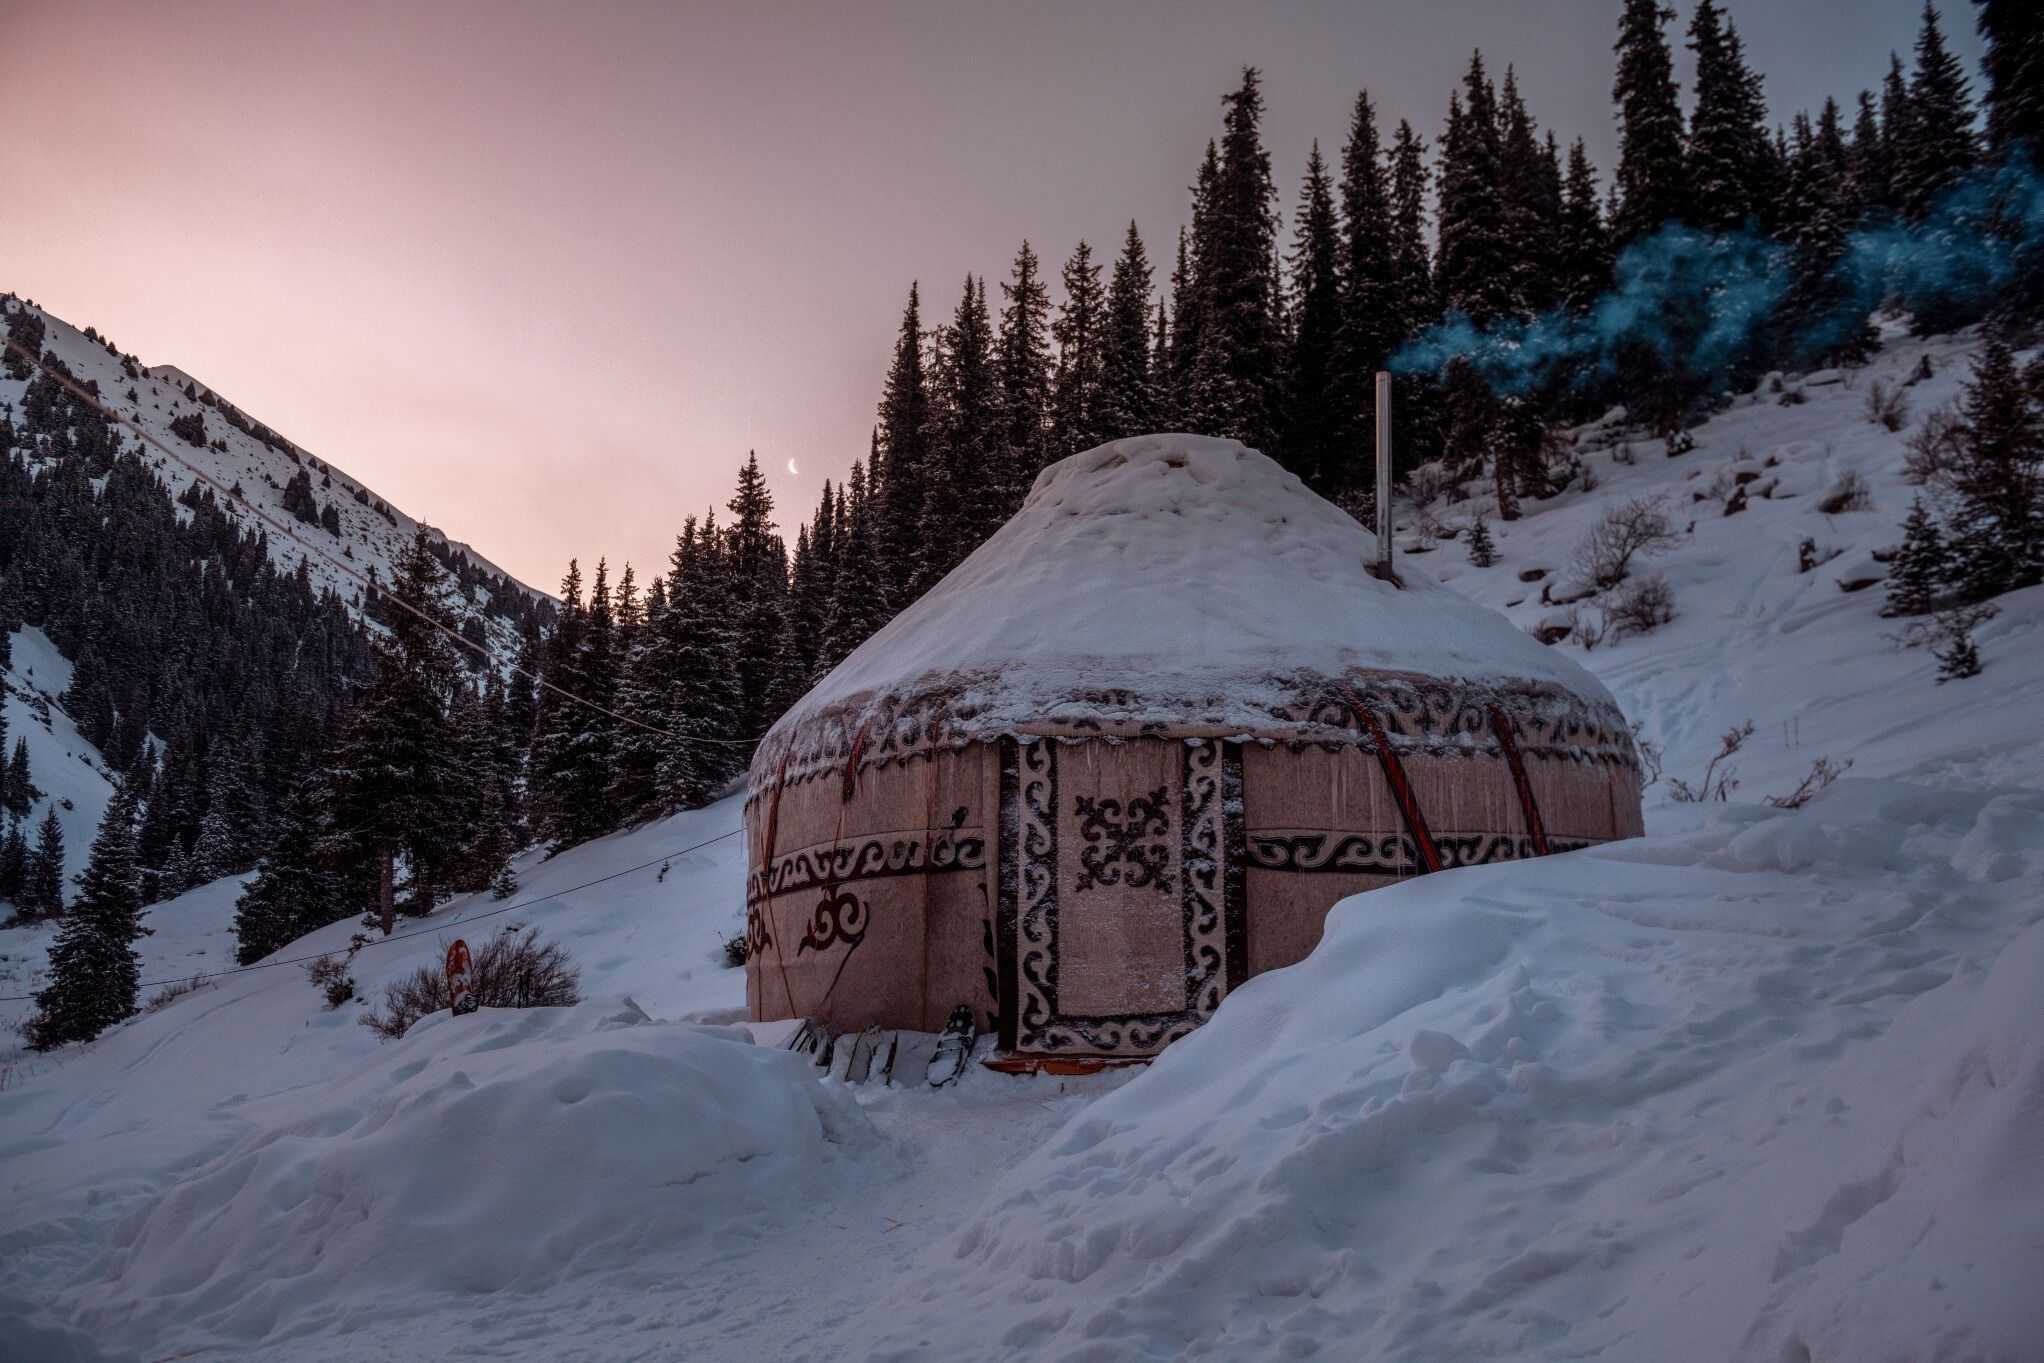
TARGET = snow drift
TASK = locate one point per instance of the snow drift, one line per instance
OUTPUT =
(504, 1151)
(1523, 1111)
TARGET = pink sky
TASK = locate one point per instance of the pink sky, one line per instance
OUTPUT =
(541, 274)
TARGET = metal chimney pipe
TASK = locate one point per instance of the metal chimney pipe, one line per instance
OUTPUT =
(1383, 568)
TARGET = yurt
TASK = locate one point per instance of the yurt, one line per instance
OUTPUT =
(1131, 751)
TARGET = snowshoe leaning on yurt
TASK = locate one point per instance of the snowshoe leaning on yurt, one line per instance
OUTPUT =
(1132, 750)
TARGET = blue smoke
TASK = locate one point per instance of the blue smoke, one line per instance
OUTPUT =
(1701, 301)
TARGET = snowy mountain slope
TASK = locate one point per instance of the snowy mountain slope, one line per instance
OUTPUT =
(1762, 1085)
(368, 538)
(66, 768)
(1812, 665)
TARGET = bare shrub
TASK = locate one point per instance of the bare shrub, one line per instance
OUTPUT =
(1429, 482)
(1849, 493)
(1587, 627)
(513, 970)
(1716, 784)
(1887, 407)
(1649, 754)
(175, 990)
(735, 949)
(1642, 605)
(329, 975)
(1822, 773)
(1629, 530)
(1935, 448)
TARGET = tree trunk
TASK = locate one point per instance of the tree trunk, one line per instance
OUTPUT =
(386, 900)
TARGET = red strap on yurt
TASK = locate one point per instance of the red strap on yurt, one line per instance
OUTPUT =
(773, 830)
(1502, 727)
(852, 763)
(1401, 787)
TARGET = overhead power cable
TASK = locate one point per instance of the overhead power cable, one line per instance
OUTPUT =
(346, 570)
(421, 932)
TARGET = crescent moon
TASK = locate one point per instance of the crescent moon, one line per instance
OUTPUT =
(792, 469)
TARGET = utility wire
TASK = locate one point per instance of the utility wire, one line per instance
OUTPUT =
(421, 932)
(347, 570)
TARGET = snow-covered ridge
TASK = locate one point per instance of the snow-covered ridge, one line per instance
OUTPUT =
(368, 538)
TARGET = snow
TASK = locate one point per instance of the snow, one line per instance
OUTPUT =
(1193, 574)
(1664, 1099)
(1763, 1085)
(65, 767)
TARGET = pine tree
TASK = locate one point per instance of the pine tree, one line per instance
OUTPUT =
(2013, 32)
(856, 608)
(94, 972)
(1651, 181)
(1475, 272)
(904, 438)
(395, 773)
(1939, 148)
(42, 886)
(13, 863)
(1917, 577)
(1998, 526)
(1727, 129)
(698, 644)
(967, 487)
(1823, 319)
(1367, 268)
(1022, 359)
(1319, 429)
(294, 891)
(20, 789)
(1191, 297)
(1532, 203)
(1235, 384)
(1075, 417)
(1417, 300)
(1585, 257)
(802, 624)
(1128, 393)
(1482, 551)
(758, 586)
(1872, 180)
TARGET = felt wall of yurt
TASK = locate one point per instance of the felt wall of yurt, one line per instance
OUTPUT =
(1130, 753)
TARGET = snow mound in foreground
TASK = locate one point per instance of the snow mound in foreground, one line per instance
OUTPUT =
(1524, 1111)
(1194, 574)
(503, 1151)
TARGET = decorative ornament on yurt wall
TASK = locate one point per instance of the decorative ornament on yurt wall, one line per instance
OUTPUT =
(1132, 750)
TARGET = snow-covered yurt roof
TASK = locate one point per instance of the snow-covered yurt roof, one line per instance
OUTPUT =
(1170, 584)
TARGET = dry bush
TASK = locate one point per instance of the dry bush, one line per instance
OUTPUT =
(1629, 530)
(1822, 773)
(329, 975)
(1849, 493)
(1642, 605)
(1649, 754)
(1887, 407)
(1716, 784)
(1935, 448)
(175, 990)
(513, 970)
(735, 949)
(1429, 482)
(1587, 627)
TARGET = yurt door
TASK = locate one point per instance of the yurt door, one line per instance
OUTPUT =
(1120, 914)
